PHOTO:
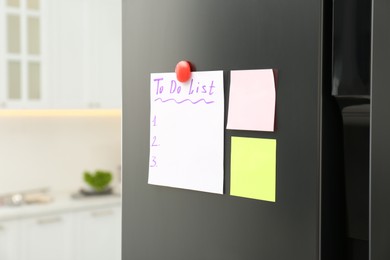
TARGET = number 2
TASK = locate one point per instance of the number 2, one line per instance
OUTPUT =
(154, 141)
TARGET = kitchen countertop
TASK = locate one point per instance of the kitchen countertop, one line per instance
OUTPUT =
(62, 203)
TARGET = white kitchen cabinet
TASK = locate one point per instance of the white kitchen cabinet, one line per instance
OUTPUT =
(48, 237)
(84, 53)
(65, 48)
(66, 229)
(104, 53)
(78, 61)
(99, 234)
(9, 240)
(21, 55)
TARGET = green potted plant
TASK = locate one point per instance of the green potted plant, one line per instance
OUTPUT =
(98, 181)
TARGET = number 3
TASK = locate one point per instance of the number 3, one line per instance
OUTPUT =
(154, 163)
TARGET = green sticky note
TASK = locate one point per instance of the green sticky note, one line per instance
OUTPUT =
(253, 168)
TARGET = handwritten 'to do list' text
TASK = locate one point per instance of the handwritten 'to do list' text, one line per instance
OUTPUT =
(173, 90)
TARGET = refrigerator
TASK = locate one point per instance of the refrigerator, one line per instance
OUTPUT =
(308, 219)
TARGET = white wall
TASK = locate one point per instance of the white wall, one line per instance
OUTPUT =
(53, 150)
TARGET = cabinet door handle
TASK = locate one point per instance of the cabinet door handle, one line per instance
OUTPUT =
(46, 221)
(102, 213)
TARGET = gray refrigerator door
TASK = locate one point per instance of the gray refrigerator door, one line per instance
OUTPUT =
(173, 224)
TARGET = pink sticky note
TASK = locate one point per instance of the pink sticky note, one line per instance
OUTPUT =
(252, 100)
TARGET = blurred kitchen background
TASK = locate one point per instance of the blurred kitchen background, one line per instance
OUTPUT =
(60, 115)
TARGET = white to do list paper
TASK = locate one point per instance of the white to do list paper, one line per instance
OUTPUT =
(187, 131)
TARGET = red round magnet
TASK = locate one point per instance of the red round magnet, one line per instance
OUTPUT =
(183, 71)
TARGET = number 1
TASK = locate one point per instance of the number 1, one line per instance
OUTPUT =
(154, 121)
